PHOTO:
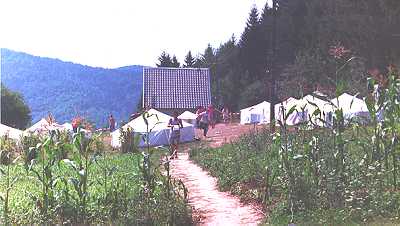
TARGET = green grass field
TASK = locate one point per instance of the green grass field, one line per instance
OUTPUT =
(70, 183)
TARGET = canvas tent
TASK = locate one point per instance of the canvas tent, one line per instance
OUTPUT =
(296, 117)
(258, 113)
(10, 132)
(67, 126)
(188, 116)
(351, 106)
(159, 134)
(43, 126)
(304, 109)
(310, 104)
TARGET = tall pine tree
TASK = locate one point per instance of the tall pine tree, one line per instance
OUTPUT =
(165, 60)
(252, 50)
(175, 62)
(189, 60)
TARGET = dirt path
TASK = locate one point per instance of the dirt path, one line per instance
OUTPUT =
(217, 208)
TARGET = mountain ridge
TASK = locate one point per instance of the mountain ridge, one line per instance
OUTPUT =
(68, 89)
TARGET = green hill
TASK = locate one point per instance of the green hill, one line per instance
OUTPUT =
(67, 89)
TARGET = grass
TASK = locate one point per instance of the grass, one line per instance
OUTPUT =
(243, 167)
(344, 174)
(102, 188)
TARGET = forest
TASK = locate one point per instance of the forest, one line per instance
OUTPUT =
(313, 40)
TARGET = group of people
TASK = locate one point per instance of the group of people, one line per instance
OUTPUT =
(206, 117)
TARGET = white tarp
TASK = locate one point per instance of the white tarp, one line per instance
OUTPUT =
(67, 126)
(311, 104)
(351, 106)
(43, 126)
(258, 113)
(10, 132)
(188, 117)
(296, 117)
(159, 134)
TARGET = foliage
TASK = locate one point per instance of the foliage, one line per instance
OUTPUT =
(189, 60)
(67, 89)
(306, 32)
(89, 186)
(346, 173)
(14, 111)
(8, 149)
(129, 140)
(164, 60)
(175, 62)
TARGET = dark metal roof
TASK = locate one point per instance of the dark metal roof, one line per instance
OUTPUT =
(176, 88)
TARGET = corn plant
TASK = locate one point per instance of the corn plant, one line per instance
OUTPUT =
(5, 170)
(129, 140)
(80, 163)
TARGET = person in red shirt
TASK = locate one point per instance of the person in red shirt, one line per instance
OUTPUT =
(211, 115)
(111, 121)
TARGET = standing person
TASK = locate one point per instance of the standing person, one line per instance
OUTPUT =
(111, 122)
(176, 125)
(200, 109)
(211, 115)
(204, 122)
(75, 124)
(225, 114)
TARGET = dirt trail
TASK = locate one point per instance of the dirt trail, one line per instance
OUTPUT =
(217, 208)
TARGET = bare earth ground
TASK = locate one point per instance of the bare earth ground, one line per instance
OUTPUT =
(215, 207)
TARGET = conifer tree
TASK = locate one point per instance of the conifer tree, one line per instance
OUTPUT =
(164, 60)
(175, 62)
(252, 50)
(189, 60)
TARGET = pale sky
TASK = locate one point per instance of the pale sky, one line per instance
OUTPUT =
(117, 33)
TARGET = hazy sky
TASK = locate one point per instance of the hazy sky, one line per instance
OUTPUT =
(119, 32)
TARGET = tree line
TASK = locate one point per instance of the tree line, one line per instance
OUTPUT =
(314, 39)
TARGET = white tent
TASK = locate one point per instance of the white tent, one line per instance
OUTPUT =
(311, 104)
(258, 113)
(283, 108)
(67, 126)
(351, 106)
(188, 117)
(159, 134)
(10, 132)
(43, 126)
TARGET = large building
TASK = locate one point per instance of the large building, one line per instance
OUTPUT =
(176, 89)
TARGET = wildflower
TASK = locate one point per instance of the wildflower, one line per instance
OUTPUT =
(338, 51)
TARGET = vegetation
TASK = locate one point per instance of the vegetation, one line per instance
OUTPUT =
(306, 32)
(67, 89)
(72, 179)
(346, 174)
(189, 60)
(14, 111)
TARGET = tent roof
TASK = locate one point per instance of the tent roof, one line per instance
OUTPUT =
(350, 103)
(11, 132)
(261, 105)
(43, 125)
(155, 123)
(288, 102)
(187, 115)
